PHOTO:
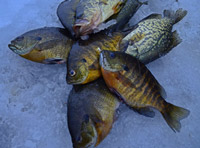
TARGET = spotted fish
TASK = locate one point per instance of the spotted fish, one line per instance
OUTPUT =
(153, 37)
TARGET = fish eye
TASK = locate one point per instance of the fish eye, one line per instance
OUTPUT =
(38, 38)
(72, 73)
(112, 55)
(84, 60)
(126, 68)
(20, 38)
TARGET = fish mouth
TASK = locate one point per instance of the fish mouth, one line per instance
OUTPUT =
(82, 27)
(71, 81)
(75, 82)
(20, 51)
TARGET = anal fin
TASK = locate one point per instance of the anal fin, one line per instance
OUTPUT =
(146, 111)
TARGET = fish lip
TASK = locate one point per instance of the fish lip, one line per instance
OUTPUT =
(21, 51)
(81, 27)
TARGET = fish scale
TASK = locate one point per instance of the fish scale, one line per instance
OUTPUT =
(153, 37)
(137, 87)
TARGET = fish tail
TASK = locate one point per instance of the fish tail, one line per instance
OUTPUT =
(175, 16)
(173, 114)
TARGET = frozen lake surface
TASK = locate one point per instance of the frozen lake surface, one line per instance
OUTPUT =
(33, 96)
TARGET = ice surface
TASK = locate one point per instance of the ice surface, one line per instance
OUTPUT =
(33, 96)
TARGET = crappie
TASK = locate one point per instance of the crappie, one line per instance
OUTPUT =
(91, 13)
(48, 45)
(91, 113)
(83, 60)
(66, 13)
(153, 36)
(134, 83)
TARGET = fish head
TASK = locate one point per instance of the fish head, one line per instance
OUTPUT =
(87, 19)
(87, 136)
(77, 71)
(112, 60)
(24, 44)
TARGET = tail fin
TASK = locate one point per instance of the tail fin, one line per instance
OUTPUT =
(173, 114)
(175, 16)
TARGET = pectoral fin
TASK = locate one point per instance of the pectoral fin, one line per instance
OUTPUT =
(146, 111)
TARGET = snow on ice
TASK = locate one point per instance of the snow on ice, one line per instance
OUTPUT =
(33, 96)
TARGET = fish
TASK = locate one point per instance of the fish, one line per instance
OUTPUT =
(90, 14)
(126, 13)
(48, 45)
(66, 13)
(152, 37)
(130, 79)
(83, 60)
(91, 112)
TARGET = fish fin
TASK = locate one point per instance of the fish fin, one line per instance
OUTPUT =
(146, 111)
(162, 91)
(96, 117)
(54, 61)
(152, 16)
(48, 44)
(175, 39)
(174, 42)
(118, 7)
(173, 114)
(175, 16)
(104, 26)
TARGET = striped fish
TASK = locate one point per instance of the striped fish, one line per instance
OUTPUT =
(137, 87)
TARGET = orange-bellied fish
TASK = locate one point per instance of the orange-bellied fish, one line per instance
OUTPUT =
(91, 113)
(134, 83)
(49, 45)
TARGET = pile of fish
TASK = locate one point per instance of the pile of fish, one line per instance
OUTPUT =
(105, 60)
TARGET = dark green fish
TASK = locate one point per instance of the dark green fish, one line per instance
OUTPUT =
(153, 37)
(91, 113)
(49, 45)
(134, 83)
(126, 13)
(66, 13)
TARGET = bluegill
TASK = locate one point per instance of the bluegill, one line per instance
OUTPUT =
(83, 60)
(91, 113)
(48, 45)
(91, 13)
(137, 87)
(152, 37)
